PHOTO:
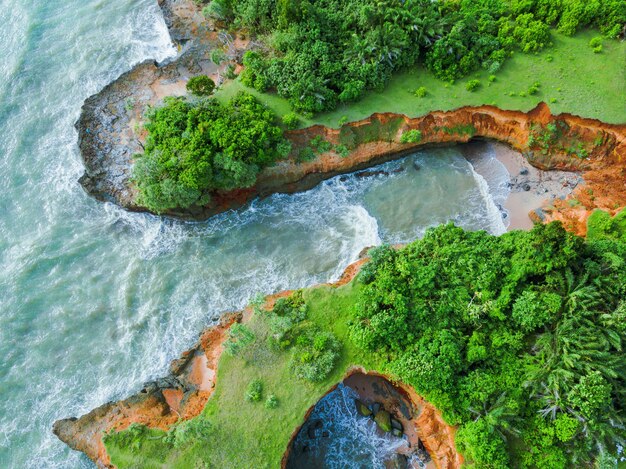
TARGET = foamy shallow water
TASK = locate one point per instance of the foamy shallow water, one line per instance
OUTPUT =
(94, 300)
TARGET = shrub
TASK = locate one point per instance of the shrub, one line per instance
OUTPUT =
(200, 85)
(492, 78)
(598, 49)
(230, 72)
(472, 85)
(320, 144)
(291, 120)
(343, 121)
(306, 154)
(411, 136)
(595, 42)
(284, 320)
(342, 150)
(314, 355)
(218, 56)
(420, 92)
(195, 430)
(239, 337)
(271, 402)
(254, 392)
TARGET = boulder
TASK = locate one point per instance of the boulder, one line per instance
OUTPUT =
(383, 420)
(397, 432)
(375, 407)
(397, 461)
(396, 424)
(362, 408)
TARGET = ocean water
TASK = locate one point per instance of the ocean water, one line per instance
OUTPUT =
(94, 301)
(352, 441)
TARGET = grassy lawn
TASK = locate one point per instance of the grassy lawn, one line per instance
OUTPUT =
(581, 82)
(245, 434)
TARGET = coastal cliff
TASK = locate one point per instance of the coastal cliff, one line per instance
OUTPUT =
(110, 134)
(192, 379)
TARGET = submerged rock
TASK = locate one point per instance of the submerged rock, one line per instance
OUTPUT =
(396, 424)
(383, 420)
(397, 461)
(362, 409)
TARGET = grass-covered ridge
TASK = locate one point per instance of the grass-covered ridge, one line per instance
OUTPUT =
(571, 77)
(329, 52)
(517, 339)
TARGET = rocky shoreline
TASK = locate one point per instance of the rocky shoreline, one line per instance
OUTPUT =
(109, 134)
(192, 379)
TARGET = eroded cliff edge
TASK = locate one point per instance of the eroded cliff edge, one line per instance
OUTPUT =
(185, 391)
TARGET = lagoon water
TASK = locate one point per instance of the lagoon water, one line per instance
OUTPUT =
(94, 300)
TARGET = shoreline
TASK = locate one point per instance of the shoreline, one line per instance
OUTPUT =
(531, 188)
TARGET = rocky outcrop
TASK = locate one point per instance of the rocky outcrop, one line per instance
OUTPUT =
(161, 403)
(110, 133)
(422, 425)
(109, 127)
(179, 396)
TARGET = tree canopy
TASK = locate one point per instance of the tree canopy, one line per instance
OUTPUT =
(196, 147)
(518, 339)
(331, 51)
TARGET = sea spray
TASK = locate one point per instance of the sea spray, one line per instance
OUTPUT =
(493, 213)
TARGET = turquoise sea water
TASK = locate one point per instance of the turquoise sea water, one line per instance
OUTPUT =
(93, 300)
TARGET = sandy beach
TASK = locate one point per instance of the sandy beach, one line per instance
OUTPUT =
(530, 188)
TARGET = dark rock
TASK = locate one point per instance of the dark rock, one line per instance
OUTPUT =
(383, 420)
(524, 171)
(416, 166)
(397, 461)
(362, 409)
(526, 187)
(325, 434)
(318, 424)
(375, 407)
(310, 431)
(366, 174)
(396, 424)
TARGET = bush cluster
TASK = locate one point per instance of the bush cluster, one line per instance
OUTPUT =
(196, 148)
(314, 352)
(329, 52)
(517, 339)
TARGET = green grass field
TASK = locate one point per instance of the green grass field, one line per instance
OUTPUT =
(245, 434)
(569, 73)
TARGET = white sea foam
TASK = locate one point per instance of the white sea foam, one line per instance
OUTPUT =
(493, 213)
(353, 442)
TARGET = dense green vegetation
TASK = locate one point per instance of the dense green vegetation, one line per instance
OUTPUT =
(328, 52)
(567, 73)
(200, 85)
(196, 147)
(517, 339)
